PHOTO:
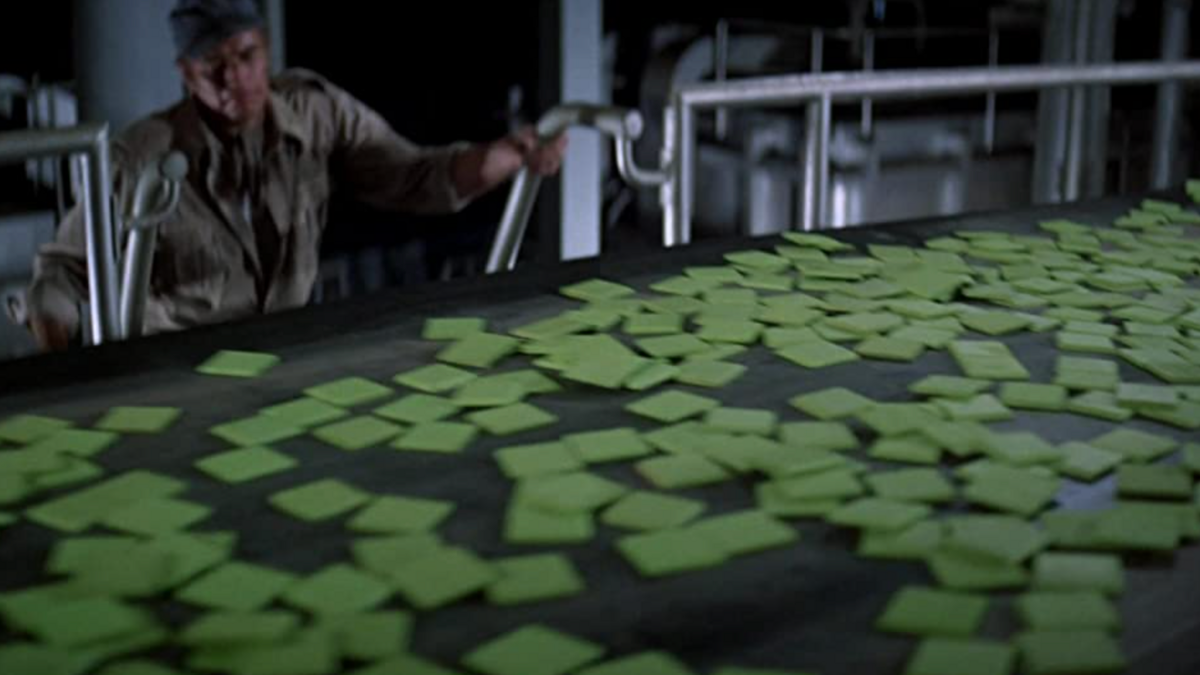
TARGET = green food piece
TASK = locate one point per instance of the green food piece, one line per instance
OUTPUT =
(742, 420)
(606, 371)
(79, 510)
(454, 328)
(875, 513)
(710, 374)
(833, 403)
(337, 589)
(672, 406)
(245, 464)
(1086, 463)
(1020, 448)
(157, 516)
(369, 636)
(1082, 342)
(943, 656)
(1099, 404)
(680, 472)
(530, 525)
(866, 324)
(442, 577)
(1079, 572)
(1052, 652)
(547, 329)
(896, 419)
(304, 412)
(77, 442)
(1171, 482)
(890, 349)
(319, 500)
(443, 437)
(1135, 445)
(1130, 395)
(229, 363)
(817, 354)
(949, 386)
(594, 290)
(647, 511)
(400, 515)
(745, 532)
(968, 572)
(822, 486)
(672, 346)
(1080, 610)
(982, 408)
(419, 408)
(986, 360)
(479, 350)
(381, 555)
(526, 461)
(570, 492)
(138, 420)
(357, 433)
(608, 445)
(1002, 538)
(239, 628)
(835, 436)
(437, 378)
(26, 429)
(654, 324)
(349, 391)
(1033, 396)
(1136, 529)
(236, 587)
(912, 448)
(914, 610)
(1011, 490)
(534, 578)
(256, 431)
(666, 552)
(532, 650)
(912, 485)
(511, 419)
(911, 543)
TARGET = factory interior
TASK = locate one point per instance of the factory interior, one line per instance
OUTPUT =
(603, 337)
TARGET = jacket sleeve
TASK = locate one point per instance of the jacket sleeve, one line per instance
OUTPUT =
(382, 168)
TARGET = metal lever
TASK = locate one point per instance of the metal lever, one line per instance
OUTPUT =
(625, 126)
(155, 198)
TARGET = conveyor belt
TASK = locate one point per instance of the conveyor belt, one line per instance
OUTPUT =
(807, 607)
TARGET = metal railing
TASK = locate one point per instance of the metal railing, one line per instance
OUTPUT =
(88, 146)
(819, 92)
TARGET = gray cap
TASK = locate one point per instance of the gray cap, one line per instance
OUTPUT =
(199, 25)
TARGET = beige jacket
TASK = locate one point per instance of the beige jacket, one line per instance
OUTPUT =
(317, 139)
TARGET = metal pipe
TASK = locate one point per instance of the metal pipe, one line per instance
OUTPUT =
(620, 123)
(989, 111)
(161, 182)
(867, 123)
(666, 192)
(816, 164)
(721, 72)
(891, 85)
(1099, 101)
(628, 169)
(914, 84)
(1175, 22)
(1050, 144)
(1073, 166)
(808, 196)
(89, 143)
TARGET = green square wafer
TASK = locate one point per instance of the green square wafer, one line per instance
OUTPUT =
(418, 408)
(245, 464)
(349, 391)
(711, 374)
(534, 578)
(138, 419)
(369, 636)
(1164, 482)
(672, 346)
(236, 586)
(607, 445)
(969, 572)
(436, 378)
(570, 492)
(319, 500)
(833, 403)
(256, 431)
(239, 628)
(1003, 538)
(525, 461)
(452, 328)
(879, 514)
(911, 543)
(392, 514)
(949, 386)
(535, 526)
(231, 363)
(511, 419)
(817, 354)
(336, 589)
(357, 433)
(1100, 404)
(25, 429)
(442, 577)
(910, 448)
(667, 552)
(444, 437)
(1077, 610)
(596, 289)
(912, 485)
(304, 412)
(672, 406)
(646, 511)
(1033, 396)
(156, 516)
(957, 656)
(479, 350)
(1051, 652)
(1135, 445)
(1086, 463)
(681, 471)
(533, 650)
(1055, 571)
(915, 610)
(744, 532)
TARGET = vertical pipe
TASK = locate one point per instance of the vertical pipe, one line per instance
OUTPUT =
(669, 160)
(276, 18)
(1175, 21)
(1073, 166)
(1049, 147)
(720, 73)
(806, 199)
(1099, 101)
(989, 113)
(816, 164)
(97, 225)
(867, 123)
(825, 122)
(684, 169)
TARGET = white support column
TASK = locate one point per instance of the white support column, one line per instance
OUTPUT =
(276, 18)
(125, 60)
(582, 80)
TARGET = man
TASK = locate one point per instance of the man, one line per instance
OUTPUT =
(264, 156)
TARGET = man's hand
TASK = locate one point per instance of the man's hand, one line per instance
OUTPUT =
(50, 335)
(481, 168)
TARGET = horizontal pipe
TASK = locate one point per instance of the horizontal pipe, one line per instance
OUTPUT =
(901, 84)
(18, 146)
(628, 169)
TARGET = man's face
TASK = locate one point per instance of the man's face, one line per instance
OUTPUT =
(232, 79)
